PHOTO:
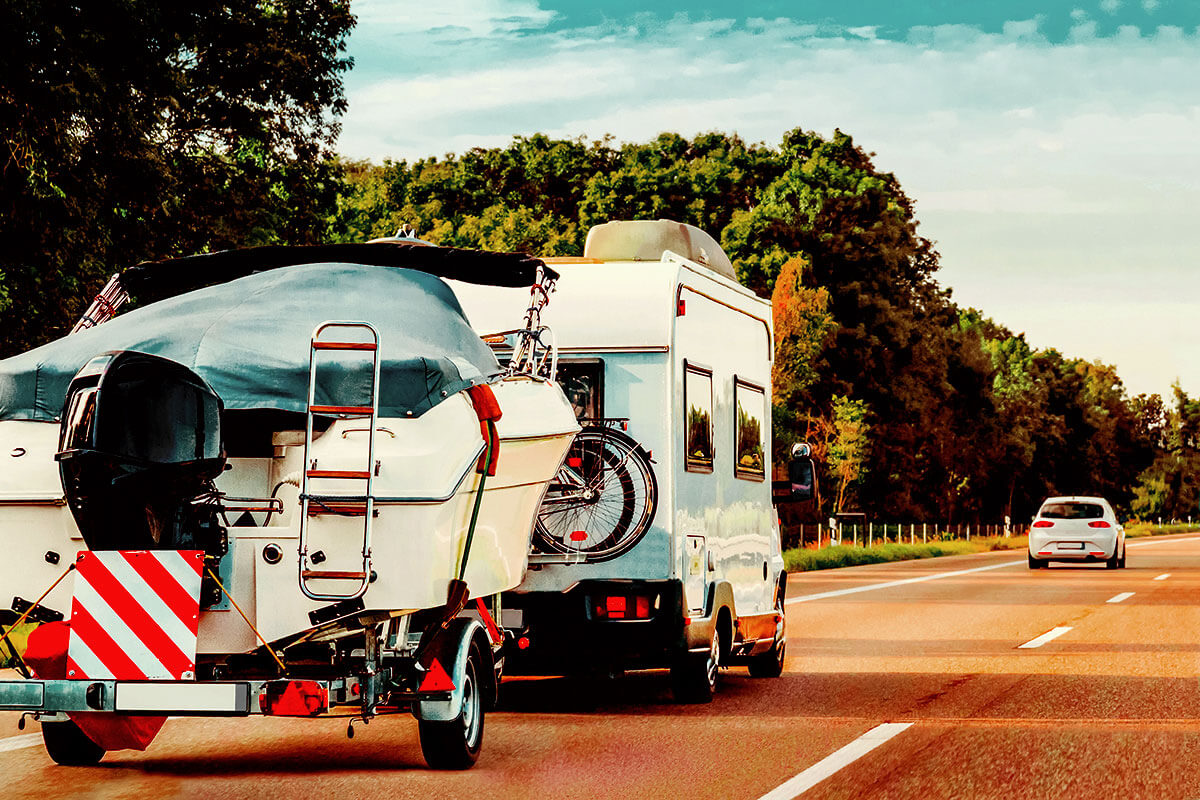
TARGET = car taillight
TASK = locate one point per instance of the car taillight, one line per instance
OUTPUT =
(1099, 524)
(1043, 523)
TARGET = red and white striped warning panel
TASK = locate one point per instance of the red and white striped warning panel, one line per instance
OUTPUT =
(134, 614)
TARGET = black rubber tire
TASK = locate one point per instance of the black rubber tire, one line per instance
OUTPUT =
(1121, 564)
(695, 676)
(770, 663)
(455, 744)
(1035, 563)
(1112, 563)
(68, 746)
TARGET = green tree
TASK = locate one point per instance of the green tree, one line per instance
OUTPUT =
(157, 128)
(849, 450)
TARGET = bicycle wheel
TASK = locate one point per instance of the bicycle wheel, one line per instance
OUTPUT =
(602, 500)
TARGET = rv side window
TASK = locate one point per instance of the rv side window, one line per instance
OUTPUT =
(697, 404)
(750, 403)
(583, 384)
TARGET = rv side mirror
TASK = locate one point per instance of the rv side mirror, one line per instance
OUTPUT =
(801, 482)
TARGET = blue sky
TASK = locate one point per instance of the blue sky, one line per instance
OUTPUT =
(1052, 149)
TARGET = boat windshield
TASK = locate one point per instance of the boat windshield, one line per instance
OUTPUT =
(1072, 511)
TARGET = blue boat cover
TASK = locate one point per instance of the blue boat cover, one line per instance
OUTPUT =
(249, 338)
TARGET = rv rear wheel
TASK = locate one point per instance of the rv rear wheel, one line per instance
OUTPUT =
(67, 745)
(770, 663)
(694, 676)
(455, 744)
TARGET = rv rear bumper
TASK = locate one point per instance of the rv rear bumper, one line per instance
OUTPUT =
(597, 625)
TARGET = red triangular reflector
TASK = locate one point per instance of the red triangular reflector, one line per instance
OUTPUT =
(436, 679)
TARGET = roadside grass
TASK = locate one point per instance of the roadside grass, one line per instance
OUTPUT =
(803, 559)
(1133, 530)
(19, 636)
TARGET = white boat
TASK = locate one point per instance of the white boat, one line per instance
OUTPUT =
(354, 511)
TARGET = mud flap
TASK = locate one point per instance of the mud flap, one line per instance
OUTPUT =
(452, 649)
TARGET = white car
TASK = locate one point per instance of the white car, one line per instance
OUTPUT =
(1076, 529)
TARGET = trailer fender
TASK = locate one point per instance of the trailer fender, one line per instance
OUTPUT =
(453, 649)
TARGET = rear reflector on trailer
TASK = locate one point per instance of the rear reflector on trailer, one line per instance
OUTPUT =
(181, 698)
(436, 679)
(293, 699)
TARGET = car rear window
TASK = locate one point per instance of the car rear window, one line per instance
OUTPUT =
(1072, 511)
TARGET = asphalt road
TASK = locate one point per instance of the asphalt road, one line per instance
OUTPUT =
(903, 680)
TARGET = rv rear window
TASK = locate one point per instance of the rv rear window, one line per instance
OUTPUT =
(750, 403)
(697, 404)
(583, 384)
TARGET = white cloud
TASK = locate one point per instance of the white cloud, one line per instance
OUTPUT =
(470, 17)
(1150, 6)
(1011, 146)
(1110, 6)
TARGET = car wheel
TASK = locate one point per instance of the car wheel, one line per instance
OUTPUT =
(455, 744)
(1035, 563)
(1114, 562)
(69, 746)
(1123, 554)
(694, 676)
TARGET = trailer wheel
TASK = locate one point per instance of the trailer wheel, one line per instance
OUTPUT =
(67, 745)
(455, 744)
(770, 663)
(694, 676)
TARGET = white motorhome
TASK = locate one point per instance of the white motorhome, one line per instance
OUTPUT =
(667, 360)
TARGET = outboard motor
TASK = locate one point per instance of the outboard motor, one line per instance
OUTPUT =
(139, 448)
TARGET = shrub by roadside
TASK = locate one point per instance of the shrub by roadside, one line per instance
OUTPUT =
(18, 636)
(1134, 530)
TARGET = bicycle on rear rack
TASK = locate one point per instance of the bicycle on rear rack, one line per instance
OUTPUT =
(602, 500)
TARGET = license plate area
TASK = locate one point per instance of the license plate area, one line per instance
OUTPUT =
(1070, 545)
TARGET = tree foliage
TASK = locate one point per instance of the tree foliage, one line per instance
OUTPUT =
(156, 128)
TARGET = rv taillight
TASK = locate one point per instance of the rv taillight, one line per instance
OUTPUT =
(1043, 523)
(615, 606)
(681, 309)
(1099, 524)
(293, 699)
(641, 607)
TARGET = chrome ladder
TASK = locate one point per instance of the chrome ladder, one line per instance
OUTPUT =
(315, 506)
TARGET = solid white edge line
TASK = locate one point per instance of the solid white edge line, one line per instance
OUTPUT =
(798, 785)
(20, 742)
(804, 598)
(1162, 541)
(1163, 577)
(1048, 636)
(1123, 596)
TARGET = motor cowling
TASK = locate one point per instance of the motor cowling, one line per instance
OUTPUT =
(139, 447)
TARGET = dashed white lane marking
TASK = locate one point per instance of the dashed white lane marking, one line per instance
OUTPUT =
(1163, 577)
(821, 770)
(804, 598)
(1048, 636)
(1119, 597)
(20, 742)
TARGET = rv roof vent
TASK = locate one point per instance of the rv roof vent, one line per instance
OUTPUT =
(645, 240)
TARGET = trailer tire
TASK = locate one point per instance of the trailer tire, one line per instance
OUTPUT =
(694, 677)
(69, 746)
(455, 744)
